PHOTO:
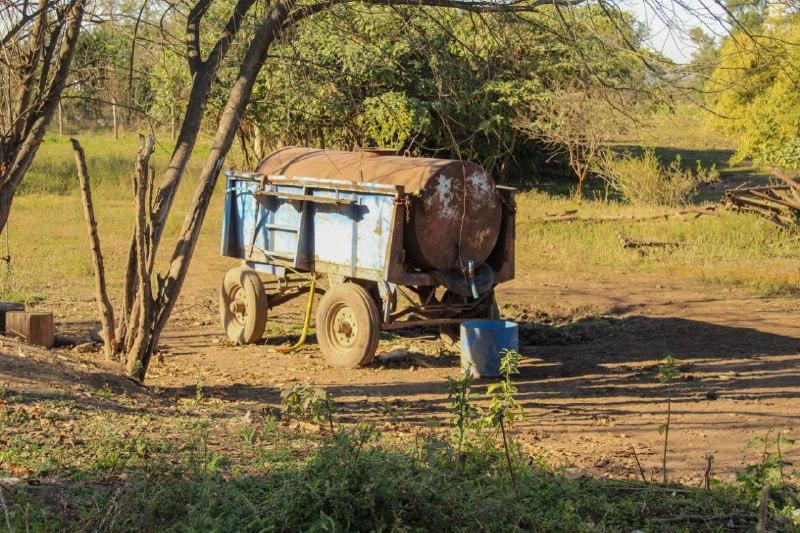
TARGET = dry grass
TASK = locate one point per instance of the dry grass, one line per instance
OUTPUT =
(47, 239)
(643, 180)
(728, 249)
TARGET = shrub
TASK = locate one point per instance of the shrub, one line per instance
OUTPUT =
(643, 180)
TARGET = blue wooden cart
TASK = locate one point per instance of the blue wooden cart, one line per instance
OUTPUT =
(343, 240)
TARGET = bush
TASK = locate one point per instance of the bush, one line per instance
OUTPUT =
(643, 180)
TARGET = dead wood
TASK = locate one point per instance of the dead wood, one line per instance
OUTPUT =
(101, 292)
(572, 216)
(629, 243)
(61, 341)
(137, 351)
(778, 204)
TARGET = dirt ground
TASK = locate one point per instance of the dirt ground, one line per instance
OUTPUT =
(589, 381)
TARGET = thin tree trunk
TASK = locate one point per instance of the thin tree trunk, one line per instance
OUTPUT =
(114, 118)
(139, 357)
(60, 119)
(143, 331)
(101, 294)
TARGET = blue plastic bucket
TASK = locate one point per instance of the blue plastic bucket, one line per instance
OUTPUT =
(482, 344)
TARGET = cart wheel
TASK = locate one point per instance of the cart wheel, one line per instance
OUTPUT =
(348, 326)
(243, 306)
(450, 334)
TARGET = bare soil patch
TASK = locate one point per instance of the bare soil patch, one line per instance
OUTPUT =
(589, 381)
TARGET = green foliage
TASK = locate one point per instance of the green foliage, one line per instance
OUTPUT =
(461, 405)
(170, 82)
(667, 371)
(644, 180)
(504, 406)
(353, 483)
(391, 119)
(753, 91)
(772, 470)
(427, 81)
(706, 54)
(315, 403)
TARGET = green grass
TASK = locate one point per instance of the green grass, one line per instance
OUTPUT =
(47, 238)
(110, 162)
(127, 465)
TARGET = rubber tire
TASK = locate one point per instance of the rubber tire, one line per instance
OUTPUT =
(367, 318)
(250, 328)
(450, 334)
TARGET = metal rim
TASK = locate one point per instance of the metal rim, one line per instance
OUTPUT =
(342, 326)
(238, 304)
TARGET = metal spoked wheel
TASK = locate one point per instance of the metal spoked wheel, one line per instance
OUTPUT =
(348, 326)
(243, 306)
(450, 334)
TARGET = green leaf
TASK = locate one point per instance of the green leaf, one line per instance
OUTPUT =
(493, 387)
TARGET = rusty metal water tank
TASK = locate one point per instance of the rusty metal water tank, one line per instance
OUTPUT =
(455, 207)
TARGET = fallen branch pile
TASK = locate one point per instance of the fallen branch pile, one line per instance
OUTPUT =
(780, 204)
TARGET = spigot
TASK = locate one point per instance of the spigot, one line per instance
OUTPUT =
(471, 277)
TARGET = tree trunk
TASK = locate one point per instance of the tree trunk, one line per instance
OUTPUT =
(142, 331)
(114, 118)
(103, 303)
(582, 172)
(138, 357)
(202, 78)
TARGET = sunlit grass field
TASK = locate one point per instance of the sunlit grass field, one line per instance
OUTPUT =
(51, 263)
(47, 237)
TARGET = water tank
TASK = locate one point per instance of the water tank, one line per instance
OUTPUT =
(455, 209)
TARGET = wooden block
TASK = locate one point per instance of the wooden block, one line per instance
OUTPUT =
(35, 328)
(5, 307)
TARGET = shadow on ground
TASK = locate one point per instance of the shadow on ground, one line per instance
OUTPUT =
(589, 360)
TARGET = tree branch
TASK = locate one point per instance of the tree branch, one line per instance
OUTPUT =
(193, 54)
(464, 5)
(228, 33)
(103, 303)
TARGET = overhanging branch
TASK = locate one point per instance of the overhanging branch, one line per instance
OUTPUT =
(526, 6)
